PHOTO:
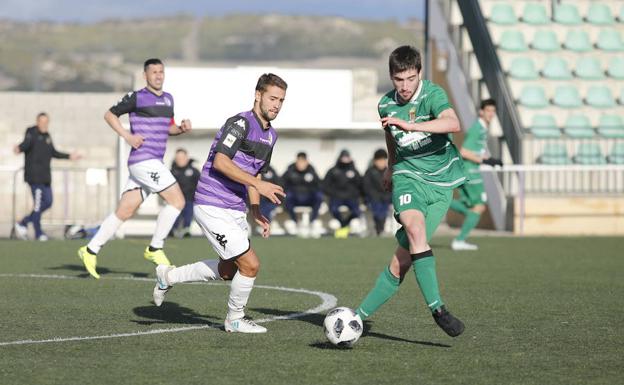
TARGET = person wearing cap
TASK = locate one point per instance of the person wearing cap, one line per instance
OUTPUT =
(378, 198)
(343, 186)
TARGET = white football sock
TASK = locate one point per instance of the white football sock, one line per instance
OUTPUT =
(207, 270)
(239, 295)
(105, 233)
(164, 223)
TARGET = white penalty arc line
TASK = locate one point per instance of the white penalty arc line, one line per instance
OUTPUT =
(329, 302)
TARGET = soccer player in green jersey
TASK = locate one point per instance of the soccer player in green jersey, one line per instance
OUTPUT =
(472, 195)
(423, 169)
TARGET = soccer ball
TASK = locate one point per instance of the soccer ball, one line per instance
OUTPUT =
(343, 327)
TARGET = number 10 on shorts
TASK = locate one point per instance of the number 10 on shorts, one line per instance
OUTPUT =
(405, 199)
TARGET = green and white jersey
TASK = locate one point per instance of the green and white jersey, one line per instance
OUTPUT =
(429, 158)
(475, 141)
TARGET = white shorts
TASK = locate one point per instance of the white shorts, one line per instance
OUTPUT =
(226, 229)
(151, 176)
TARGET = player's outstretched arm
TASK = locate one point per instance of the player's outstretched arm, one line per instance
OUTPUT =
(445, 123)
(225, 166)
(113, 121)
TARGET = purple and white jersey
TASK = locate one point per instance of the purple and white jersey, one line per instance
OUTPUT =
(150, 116)
(249, 145)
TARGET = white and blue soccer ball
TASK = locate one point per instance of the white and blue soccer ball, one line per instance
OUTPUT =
(343, 327)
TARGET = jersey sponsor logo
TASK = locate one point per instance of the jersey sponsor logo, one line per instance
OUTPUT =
(220, 238)
(155, 176)
(229, 140)
(269, 140)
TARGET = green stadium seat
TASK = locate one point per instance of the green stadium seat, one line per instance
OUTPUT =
(533, 97)
(611, 126)
(567, 96)
(523, 68)
(568, 14)
(535, 14)
(609, 39)
(577, 40)
(503, 13)
(543, 126)
(600, 97)
(616, 67)
(588, 67)
(616, 156)
(512, 40)
(578, 126)
(545, 40)
(556, 68)
(599, 14)
(554, 154)
(589, 153)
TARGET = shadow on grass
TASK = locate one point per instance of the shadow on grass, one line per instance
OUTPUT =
(172, 313)
(317, 320)
(100, 270)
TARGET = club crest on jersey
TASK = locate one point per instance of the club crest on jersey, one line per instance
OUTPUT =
(412, 115)
(229, 140)
(167, 102)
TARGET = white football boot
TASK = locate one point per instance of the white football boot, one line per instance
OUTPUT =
(242, 325)
(162, 286)
(21, 232)
(463, 245)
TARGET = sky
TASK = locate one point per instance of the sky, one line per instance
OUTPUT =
(86, 11)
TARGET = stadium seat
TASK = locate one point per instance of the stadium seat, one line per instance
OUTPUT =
(599, 14)
(543, 126)
(589, 153)
(535, 14)
(600, 97)
(616, 156)
(578, 126)
(577, 40)
(503, 13)
(568, 14)
(609, 39)
(545, 40)
(523, 68)
(554, 154)
(512, 40)
(533, 97)
(567, 96)
(611, 126)
(616, 68)
(556, 68)
(588, 67)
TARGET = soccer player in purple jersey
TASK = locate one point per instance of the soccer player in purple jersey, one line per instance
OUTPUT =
(240, 153)
(151, 123)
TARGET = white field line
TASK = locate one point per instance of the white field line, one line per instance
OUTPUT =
(329, 301)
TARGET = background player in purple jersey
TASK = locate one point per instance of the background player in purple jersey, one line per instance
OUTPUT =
(239, 154)
(151, 123)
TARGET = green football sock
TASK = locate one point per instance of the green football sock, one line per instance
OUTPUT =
(459, 206)
(425, 270)
(470, 222)
(385, 287)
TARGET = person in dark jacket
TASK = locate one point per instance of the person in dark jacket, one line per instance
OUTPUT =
(187, 177)
(38, 152)
(303, 187)
(343, 186)
(377, 197)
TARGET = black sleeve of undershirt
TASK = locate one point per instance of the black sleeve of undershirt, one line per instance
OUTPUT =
(233, 134)
(126, 105)
(267, 164)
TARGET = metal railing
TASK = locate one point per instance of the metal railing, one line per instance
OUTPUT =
(80, 195)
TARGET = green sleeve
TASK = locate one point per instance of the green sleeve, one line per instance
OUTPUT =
(439, 101)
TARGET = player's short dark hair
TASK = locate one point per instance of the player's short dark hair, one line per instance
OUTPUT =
(380, 154)
(181, 150)
(487, 103)
(270, 79)
(404, 58)
(302, 155)
(42, 114)
(152, 61)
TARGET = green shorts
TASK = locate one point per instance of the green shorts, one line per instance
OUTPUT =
(411, 194)
(472, 194)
